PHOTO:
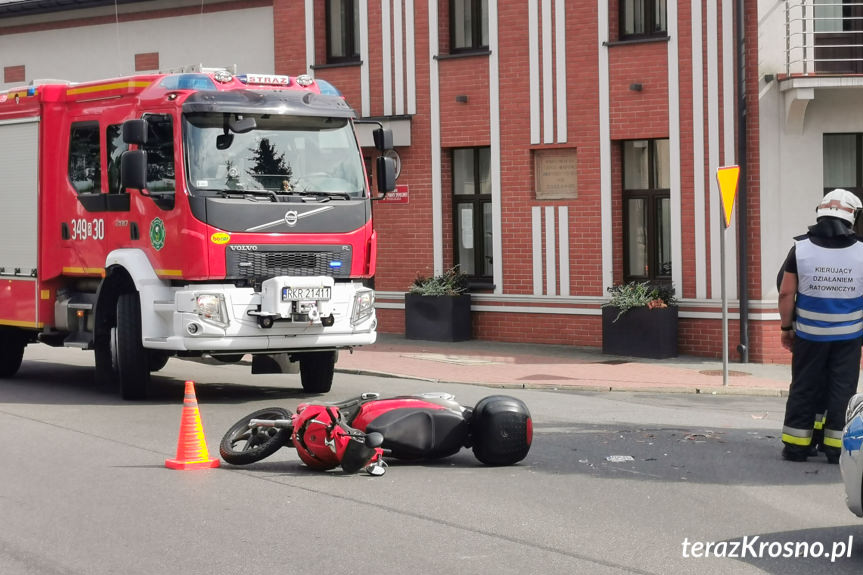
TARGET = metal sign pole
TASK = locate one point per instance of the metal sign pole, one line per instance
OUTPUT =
(727, 178)
(724, 307)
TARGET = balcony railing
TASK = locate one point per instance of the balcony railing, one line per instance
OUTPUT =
(823, 37)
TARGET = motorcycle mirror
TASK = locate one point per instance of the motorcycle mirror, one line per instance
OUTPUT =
(374, 439)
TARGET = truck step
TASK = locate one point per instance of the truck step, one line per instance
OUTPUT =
(80, 340)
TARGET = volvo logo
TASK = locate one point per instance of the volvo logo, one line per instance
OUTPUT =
(291, 218)
(244, 248)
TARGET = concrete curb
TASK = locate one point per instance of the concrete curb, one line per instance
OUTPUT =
(670, 389)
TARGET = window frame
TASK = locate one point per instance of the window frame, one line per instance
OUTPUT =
(858, 171)
(653, 197)
(650, 7)
(351, 26)
(93, 127)
(477, 201)
(476, 8)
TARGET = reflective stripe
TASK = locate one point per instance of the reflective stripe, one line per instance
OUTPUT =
(833, 317)
(832, 442)
(796, 436)
(796, 440)
(833, 438)
(796, 432)
(837, 330)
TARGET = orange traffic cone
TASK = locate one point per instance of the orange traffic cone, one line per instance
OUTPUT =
(192, 447)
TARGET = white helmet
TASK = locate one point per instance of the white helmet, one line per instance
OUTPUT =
(840, 204)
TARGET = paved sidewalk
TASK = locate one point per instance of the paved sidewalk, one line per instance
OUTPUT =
(518, 365)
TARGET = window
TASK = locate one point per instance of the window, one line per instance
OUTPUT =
(640, 18)
(843, 166)
(468, 25)
(838, 36)
(146, 61)
(84, 168)
(343, 39)
(471, 169)
(13, 74)
(116, 147)
(160, 153)
(646, 211)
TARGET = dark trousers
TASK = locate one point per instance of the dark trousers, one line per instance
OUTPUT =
(823, 374)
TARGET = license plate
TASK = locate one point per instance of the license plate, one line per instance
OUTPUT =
(306, 293)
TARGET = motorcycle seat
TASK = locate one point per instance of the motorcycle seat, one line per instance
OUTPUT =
(417, 433)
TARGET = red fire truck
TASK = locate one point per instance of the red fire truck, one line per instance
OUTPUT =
(201, 215)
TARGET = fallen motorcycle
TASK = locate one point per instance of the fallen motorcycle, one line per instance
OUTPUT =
(358, 432)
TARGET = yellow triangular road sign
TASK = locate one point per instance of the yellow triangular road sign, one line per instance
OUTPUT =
(727, 177)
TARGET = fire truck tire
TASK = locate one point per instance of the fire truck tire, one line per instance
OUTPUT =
(316, 371)
(133, 366)
(11, 352)
(156, 360)
(106, 374)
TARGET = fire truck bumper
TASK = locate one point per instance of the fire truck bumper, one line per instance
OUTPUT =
(288, 314)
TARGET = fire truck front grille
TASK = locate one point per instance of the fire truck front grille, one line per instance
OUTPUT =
(262, 262)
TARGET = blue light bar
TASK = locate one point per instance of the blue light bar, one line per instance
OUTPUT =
(328, 89)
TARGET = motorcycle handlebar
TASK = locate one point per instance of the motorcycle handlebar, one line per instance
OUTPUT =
(277, 423)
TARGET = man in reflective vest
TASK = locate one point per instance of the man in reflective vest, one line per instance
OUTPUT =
(821, 308)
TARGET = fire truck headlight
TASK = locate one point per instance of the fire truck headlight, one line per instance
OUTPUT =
(364, 306)
(212, 307)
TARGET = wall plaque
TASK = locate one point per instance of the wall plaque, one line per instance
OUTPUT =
(556, 174)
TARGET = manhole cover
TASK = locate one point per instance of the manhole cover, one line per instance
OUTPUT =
(719, 372)
(612, 362)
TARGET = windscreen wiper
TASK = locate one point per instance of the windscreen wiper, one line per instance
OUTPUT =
(326, 195)
(249, 194)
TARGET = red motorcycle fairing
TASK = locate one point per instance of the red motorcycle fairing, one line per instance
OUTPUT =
(373, 409)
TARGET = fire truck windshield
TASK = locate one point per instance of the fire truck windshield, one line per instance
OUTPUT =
(313, 156)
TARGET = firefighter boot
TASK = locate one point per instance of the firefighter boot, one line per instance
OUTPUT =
(832, 454)
(795, 453)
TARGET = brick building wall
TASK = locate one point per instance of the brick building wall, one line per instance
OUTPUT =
(521, 112)
(514, 312)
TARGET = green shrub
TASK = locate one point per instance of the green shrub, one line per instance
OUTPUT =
(640, 294)
(450, 282)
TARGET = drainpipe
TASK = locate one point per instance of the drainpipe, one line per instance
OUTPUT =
(742, 216)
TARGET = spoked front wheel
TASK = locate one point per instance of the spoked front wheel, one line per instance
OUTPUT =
(242, 444)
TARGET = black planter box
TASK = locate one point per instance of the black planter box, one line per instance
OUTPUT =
(437, 317)
(640, 332)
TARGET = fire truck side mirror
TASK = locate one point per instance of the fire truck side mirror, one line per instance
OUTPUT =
(383, 139)
(386, 168)
(133, 169)
(135, 132)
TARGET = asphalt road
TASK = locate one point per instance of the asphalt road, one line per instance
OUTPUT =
(614, 483)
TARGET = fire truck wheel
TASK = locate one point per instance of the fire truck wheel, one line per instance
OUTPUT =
(11, 352)
(156, 360)
(316, 371)
(106, 373)
(133, 366)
